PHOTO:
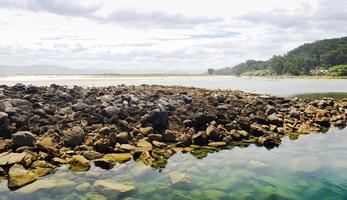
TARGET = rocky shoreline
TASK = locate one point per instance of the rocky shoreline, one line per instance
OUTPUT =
(42, 128)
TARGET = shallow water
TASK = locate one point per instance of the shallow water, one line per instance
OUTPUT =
(273, 86)
(311, 167)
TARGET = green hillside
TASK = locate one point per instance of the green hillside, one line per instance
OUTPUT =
(321, 57)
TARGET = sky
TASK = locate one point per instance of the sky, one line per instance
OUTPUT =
(160, 35)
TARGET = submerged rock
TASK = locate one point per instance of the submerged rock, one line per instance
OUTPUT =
(46, 185)
(179, 178)
(112, 189)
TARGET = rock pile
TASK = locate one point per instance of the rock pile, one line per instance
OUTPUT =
(44, 127)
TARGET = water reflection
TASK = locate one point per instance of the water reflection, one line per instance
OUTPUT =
(311, 167)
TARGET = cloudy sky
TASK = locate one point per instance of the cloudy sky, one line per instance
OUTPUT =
(161, 35)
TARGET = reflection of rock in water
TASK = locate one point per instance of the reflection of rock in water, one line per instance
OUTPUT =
(147, 124)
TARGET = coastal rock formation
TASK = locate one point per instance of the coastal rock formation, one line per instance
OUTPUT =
(44, 127)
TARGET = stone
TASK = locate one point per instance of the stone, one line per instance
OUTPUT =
(18, 177)
(74, 137)
(294, 114)
(94, 196)
(123, 137)
(105, 131)
(80, 106)
(79, 163)
(126, 147)
(257, 130)
(157, 118)
(117, 157)
(212, 133)
(112, 189)
(217, 144)
(3, 117)
(270, 110)
(83, 187)
(146, 130)
(46, 185)
(155, 137)
(146, 158)
(104, 163)
(179, 178)
(273, 119)
(244, 123)
(261, 117)
(169, 136)
(23, 138)
(4, 145)
(11, 158)
(110, 111)
(145, 145)
(91, 155)
(200, 138)
(103, 145)
(201, 120)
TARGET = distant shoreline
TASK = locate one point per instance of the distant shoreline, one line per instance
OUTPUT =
(82, 76)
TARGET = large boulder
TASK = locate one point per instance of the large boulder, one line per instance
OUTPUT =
(158, 119)
(79, 163)
(74, 136)
(23, 138)
(18, 176)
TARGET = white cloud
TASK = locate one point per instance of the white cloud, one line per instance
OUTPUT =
(180, 35)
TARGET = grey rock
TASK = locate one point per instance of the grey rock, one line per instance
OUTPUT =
(23, 138)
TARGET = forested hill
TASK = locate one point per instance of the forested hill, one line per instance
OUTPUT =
(323, 56)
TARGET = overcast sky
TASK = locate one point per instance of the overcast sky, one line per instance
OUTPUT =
(179, 35)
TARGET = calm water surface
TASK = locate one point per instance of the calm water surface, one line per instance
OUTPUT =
(311, 167)
(274, 86)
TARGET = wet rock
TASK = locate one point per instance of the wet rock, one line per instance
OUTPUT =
(146, 158)
(217, 144)
(273, 119)
(7, 158)
(158, 119)
(91, 155)
(169, 136)
(4, 145)
(146, 131)
(213, 133)
(112, 189)
(103, 145)
(201, 120)
(80, 106)
(200, 138)
(104, 164)
(261, 117)
(185, 140)
(23, 138)
(126, 147)
(117, 157)
(143, 144)
(269, 142)
(257, 130)
(270, 110)
(110, 111)
(244, 123)
(3, 117)
(105, 131)
(155, 137)
(18, 177)
(79, 163)
(294, 114)
(123, 137)
(323, 121)
(74, 137)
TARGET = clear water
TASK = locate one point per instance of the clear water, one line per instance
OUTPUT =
(311, 167)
